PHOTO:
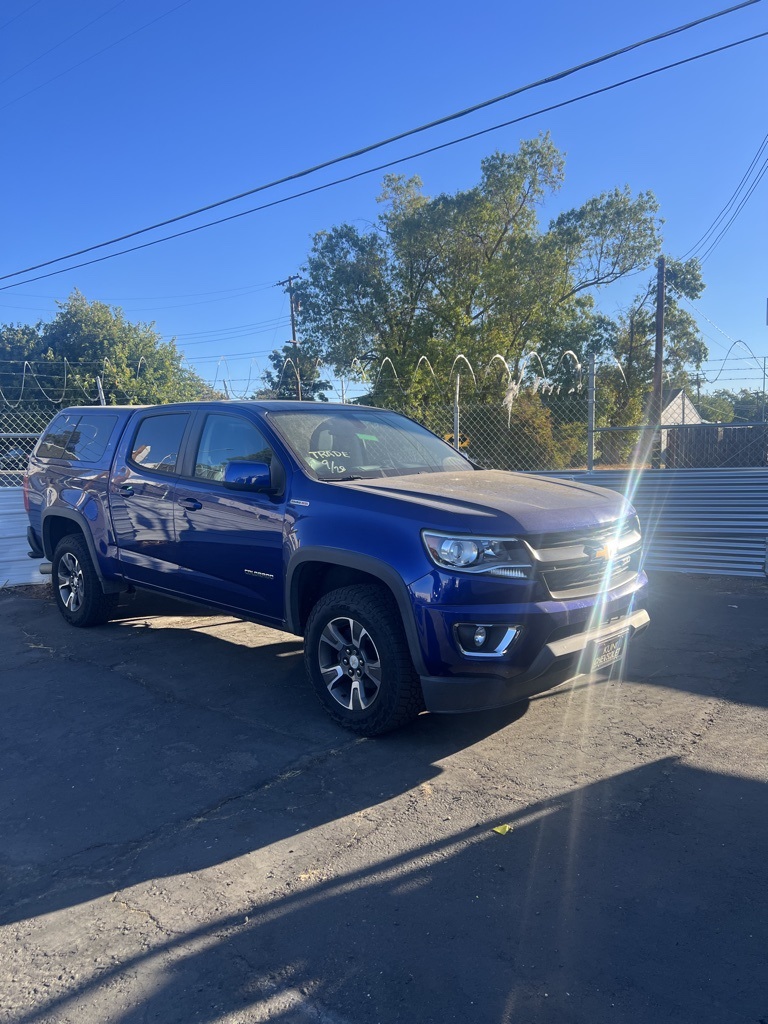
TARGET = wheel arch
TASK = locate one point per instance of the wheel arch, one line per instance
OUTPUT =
(314, 572)
(58, 523)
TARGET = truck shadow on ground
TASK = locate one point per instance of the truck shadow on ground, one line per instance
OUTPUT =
(134, 754)
(635, 898)
(116, 739)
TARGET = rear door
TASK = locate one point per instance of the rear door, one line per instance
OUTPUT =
(141, 496)
(229, 543)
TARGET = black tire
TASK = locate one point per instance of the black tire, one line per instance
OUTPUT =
(76, 586)
(374, 687)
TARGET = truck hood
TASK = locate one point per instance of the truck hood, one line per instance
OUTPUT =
(496, 501)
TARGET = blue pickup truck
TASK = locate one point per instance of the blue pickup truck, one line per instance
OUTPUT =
(417, 579)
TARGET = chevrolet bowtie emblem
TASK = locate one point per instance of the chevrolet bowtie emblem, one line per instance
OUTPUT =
(604, 553)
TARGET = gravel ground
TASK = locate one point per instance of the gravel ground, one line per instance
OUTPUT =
(186, 837)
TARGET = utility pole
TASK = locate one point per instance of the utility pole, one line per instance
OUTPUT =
(658, 358)
(294, 340)
(658, 362)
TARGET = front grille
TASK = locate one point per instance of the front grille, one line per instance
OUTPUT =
(586, 580)
(589, 562)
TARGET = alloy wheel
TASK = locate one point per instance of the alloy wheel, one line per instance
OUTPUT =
(349, 663)
(70, 582)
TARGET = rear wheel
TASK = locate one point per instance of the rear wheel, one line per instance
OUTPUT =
(358, 661)
(76, 586)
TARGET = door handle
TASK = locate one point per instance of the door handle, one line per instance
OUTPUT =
(126, 490)
(190, 503)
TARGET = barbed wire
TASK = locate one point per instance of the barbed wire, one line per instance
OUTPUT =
(53, 379)
(531, 414)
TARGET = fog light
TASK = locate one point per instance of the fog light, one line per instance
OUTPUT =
(485, 640)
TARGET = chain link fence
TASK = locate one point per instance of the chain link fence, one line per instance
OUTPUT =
(20, 428)
(583, 421)
(692, 430)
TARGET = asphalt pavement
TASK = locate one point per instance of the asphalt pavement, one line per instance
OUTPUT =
(185, 837)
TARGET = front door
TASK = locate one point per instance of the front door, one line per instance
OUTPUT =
(229, 543)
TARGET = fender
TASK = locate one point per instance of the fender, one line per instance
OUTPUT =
(56, 512)
(365, 563)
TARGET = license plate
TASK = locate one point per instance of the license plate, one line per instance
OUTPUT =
(608, 652)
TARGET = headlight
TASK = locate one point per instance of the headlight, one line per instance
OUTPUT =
(494, 555)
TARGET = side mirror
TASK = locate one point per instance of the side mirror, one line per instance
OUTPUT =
(248, 476)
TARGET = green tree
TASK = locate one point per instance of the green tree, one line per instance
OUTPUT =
(716, 407)
(134, 363)
(724, 406)
(472, 272)
(295, 374)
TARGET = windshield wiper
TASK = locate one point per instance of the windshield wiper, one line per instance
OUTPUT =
(342, 479)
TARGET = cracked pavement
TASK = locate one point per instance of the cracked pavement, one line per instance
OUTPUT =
(186, 837)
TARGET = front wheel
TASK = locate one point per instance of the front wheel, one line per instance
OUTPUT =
(78, 591)
(358, 661)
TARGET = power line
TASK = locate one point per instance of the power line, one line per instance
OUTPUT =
(747, 196)
(26, 10)
(734, 341)
(370, 170)
(230, 355)
(734, 195)
(61, 42)
(186, 305)
(98, 53)
(234, 337)
(260, 326)
(559, 76)
(245, 288)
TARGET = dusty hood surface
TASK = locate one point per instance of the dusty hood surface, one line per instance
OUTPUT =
(536, 504)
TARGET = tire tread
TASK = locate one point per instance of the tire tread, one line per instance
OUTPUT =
(399, 707)
(97, 606)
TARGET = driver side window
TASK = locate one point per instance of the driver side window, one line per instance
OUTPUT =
(227, 438)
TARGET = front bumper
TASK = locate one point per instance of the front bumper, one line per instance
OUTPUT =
(555, 663)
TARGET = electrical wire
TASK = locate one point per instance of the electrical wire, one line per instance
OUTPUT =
(745, 199)
(361, 174)
(734, 341)
(229, 334)
(62, 42)
(245, 288)
(19, 15)
(98, 53)
(734, 195)
(558, 76)
(230, 355)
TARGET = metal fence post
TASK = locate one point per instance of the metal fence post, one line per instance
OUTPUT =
(591, 415)
(456, 412)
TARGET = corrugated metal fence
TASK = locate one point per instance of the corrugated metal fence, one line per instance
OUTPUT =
(712, 521)
(15, 566)
(695, 520)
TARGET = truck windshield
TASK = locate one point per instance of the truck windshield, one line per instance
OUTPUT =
(364, 444)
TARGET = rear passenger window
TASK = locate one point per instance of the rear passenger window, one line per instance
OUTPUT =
(157, 441)
(77, 438)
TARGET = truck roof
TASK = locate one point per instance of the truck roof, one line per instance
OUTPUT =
(270, 405)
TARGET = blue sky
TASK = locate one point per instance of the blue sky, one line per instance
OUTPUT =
(191, 102)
